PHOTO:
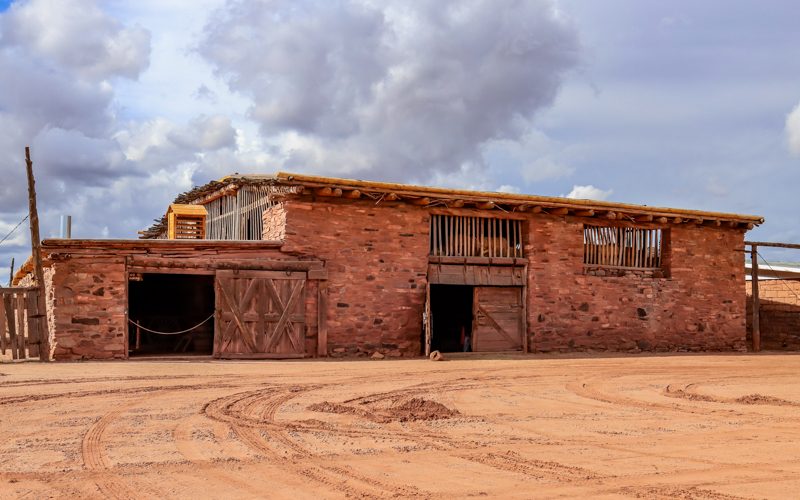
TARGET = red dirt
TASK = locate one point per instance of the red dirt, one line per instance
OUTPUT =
(698, 427)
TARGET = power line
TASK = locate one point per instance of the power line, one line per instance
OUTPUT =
(15, 228)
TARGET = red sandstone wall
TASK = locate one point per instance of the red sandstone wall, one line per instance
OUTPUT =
(274, 223)
(699, 306)
(779, 314)
(87, 308)
(377, 260)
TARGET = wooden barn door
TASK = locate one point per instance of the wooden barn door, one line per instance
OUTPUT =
(498, 319)
(260, 314)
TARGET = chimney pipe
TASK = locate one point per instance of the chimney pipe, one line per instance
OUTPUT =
(66, 227)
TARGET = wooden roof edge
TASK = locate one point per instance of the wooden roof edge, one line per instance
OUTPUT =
(183, 209)
(23, 270)
(51, 244)
(510, 198)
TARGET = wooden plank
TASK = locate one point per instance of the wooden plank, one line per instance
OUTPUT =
(22, 340)
(229, 296)
(3, 341)
(322, 319)
(756, 309)
(252, 317)
(280, 275)
(468, 212)
(33, 325)
(476, 293)
(261, 355)
(17, 289)
(427, 321)
(12, 327)
(524, 317)
(262, 304)
(288, 308)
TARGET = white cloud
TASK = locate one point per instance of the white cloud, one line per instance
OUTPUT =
(505, 188)
(793, 130)
(405, 90)
(588, 193)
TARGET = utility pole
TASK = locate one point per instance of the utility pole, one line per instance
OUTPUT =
(36, 254)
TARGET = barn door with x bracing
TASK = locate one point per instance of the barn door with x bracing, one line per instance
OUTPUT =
(260, 314)
(498, 318)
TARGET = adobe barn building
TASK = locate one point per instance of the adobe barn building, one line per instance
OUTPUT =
(293, 265)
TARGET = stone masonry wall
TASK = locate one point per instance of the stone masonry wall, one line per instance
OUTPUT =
(377, 262)
(699, 305)
(274, 223)
(87, 316)
(779, 314)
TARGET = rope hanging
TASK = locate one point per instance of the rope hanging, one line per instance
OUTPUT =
(171, 333)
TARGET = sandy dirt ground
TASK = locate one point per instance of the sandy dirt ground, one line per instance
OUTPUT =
(656, 427)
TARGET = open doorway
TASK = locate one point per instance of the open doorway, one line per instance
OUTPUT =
(451, 314)
(169, 303)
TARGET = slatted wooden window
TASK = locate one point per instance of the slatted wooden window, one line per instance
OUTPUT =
(186, 222)
(461, 236)
(622, 247)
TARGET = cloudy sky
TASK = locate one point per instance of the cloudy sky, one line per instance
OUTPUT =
(670, 103)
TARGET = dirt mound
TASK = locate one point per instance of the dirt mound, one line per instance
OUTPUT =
(418, 409)
(406, 410)
(758, 399)
(326, 407)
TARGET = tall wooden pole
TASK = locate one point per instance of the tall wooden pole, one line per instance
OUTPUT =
(754, 275)
(36, 253)
(11, 279)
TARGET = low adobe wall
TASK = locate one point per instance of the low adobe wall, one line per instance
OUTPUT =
(779, 314)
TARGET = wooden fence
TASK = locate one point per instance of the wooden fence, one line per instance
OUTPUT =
(19, 322)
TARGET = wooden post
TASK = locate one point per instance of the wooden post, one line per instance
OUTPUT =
(11, 279)
(36, 253)
(322, 319)
(754, 273)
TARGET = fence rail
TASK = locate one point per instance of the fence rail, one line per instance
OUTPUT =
(19, 322)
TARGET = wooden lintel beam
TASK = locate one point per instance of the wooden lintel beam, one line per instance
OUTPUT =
(391, 197)
(713, 223)
(611, 215)
(750, 225)
(696, 221)
(733, 224)
(621, 216)
(559, 211)
(677, 220)
(484, 205)
(325, 191)
(337, 192)
(661, 220)
(455, 204)
(644, 218)
(420, 201)
(355, 193)
(584, 213)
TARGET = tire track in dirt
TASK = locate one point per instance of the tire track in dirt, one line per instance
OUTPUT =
(252, 413)
(689, 391)
(30, 398)
(95, 459)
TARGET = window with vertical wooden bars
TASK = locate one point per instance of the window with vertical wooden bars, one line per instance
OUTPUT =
(622, 247)
(462, 236)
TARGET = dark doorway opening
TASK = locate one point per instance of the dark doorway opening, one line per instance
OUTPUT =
(451, 314)
(171, 303)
